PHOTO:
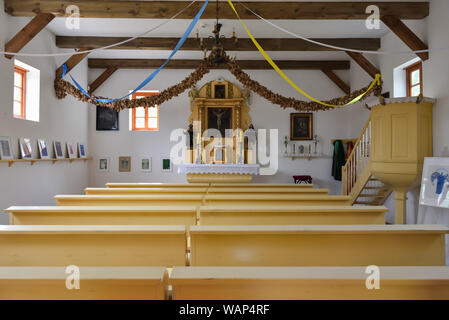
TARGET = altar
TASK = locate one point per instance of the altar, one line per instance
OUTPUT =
(219, 173)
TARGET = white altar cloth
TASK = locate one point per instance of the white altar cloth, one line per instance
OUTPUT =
(193, 168)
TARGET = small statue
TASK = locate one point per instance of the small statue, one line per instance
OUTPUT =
(190, 137)
(193, 94)
(286, 144)
(246, 94)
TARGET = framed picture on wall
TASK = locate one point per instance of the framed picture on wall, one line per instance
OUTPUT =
(166, 165)
(43, 149)
(26, 150)
(124, 164)
(5, 149)
(301, 126)
(435, 183)
(82, 150)
(59, 153)
(107, 119)
(103, 164)
(145, 164)
(71, 151)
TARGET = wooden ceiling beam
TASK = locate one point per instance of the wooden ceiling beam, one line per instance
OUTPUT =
(337, 80)
(24, 36)
(243, 44)
(269, 10)
(102, 78)
(72, 62)
(366, 65)
(193, 64)
(406, 35)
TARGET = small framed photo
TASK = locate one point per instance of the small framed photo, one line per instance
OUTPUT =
(145, 164)
(5, 149)
(301, 126)
(124, 164)
(43, 149)
(435, 183)
(71, 150)
(26, 151)
(103, 164)
(107, 119)
(59, 153)
(82, 150)
(166, 165)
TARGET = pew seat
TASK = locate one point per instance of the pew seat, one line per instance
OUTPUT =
(308, 283)
(202, 185)
(93, 246)
(291, 215)
(110, 215)
(314, 245)
(96, 283)
(277, 200)
(129, 200)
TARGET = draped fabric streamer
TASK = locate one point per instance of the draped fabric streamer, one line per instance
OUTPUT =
(288, 80)
(62, 88)
(151, 76)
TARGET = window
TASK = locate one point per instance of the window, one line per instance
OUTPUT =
(20, 76)
(145, 118)
(414, 79)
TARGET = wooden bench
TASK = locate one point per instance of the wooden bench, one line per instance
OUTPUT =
(203, 185)
(395, 245)
(294, 215)
(156, 185)
(93, 246)
(145, 191)
(92, 215)
(307, 283)
(276, 200)
(96, 283)
(129, 200)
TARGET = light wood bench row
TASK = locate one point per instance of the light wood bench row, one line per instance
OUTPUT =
(225, 283)
(397, 245)
(206, 185)
(192, 215)
(96, 283)
(205, 190)
(171, 199)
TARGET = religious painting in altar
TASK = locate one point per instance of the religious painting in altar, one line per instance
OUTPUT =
(301, 126)
(220, 119)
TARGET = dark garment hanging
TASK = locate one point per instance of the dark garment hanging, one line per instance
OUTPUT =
(338, 159)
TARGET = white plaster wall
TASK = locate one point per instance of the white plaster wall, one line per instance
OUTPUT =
(23, 184)
(174, 114)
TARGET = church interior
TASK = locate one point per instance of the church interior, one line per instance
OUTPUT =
(224, 150)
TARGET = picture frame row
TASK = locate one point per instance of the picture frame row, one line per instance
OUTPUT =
(74, 150)
(124, 164)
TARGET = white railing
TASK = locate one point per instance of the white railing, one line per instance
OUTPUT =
(358, 160)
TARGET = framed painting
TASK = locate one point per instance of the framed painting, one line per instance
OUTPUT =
(103, 164)
(124, 164)
(435, 183)
(107, 119)
(71, 151)
(166, 165)
(301, 126)
(5, 149)
(82, 150)
(26, 150)
(145, 164)
(43, 149)
(59, 153)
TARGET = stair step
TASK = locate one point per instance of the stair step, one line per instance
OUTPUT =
(369, 203)
(370, 195)
(376, 188)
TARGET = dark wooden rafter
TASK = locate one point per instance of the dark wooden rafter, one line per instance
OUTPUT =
(24, 36)
(102, 78)
(243, 44)
(337, 80)
(406, 35)
(73, 61)
(364, 63)
(268, 10)
(192, 64)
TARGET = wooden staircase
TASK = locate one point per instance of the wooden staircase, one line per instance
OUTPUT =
(358, 180)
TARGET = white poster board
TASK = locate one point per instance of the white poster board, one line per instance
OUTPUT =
(435, 183)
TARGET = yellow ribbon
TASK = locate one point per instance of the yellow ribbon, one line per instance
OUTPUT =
(283, 75)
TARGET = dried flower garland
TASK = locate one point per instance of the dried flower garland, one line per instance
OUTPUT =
(62, 88)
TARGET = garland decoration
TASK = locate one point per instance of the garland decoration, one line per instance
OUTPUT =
(216, 59)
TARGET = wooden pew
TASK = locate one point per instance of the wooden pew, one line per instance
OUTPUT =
(394, 245)
(214, 185)
(276, 200)
(93, 246)
(203, 191)
(117, 215)
(130, 200)
(156, 185)
(294, 215)
(308, 283)
(96, 283)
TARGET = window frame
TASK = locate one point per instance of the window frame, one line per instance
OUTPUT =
(408, 74)
(23, 72)
(147, 117)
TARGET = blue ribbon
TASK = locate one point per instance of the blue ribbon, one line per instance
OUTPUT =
(147, 80)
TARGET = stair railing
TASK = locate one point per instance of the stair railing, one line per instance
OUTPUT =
(358, 160)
